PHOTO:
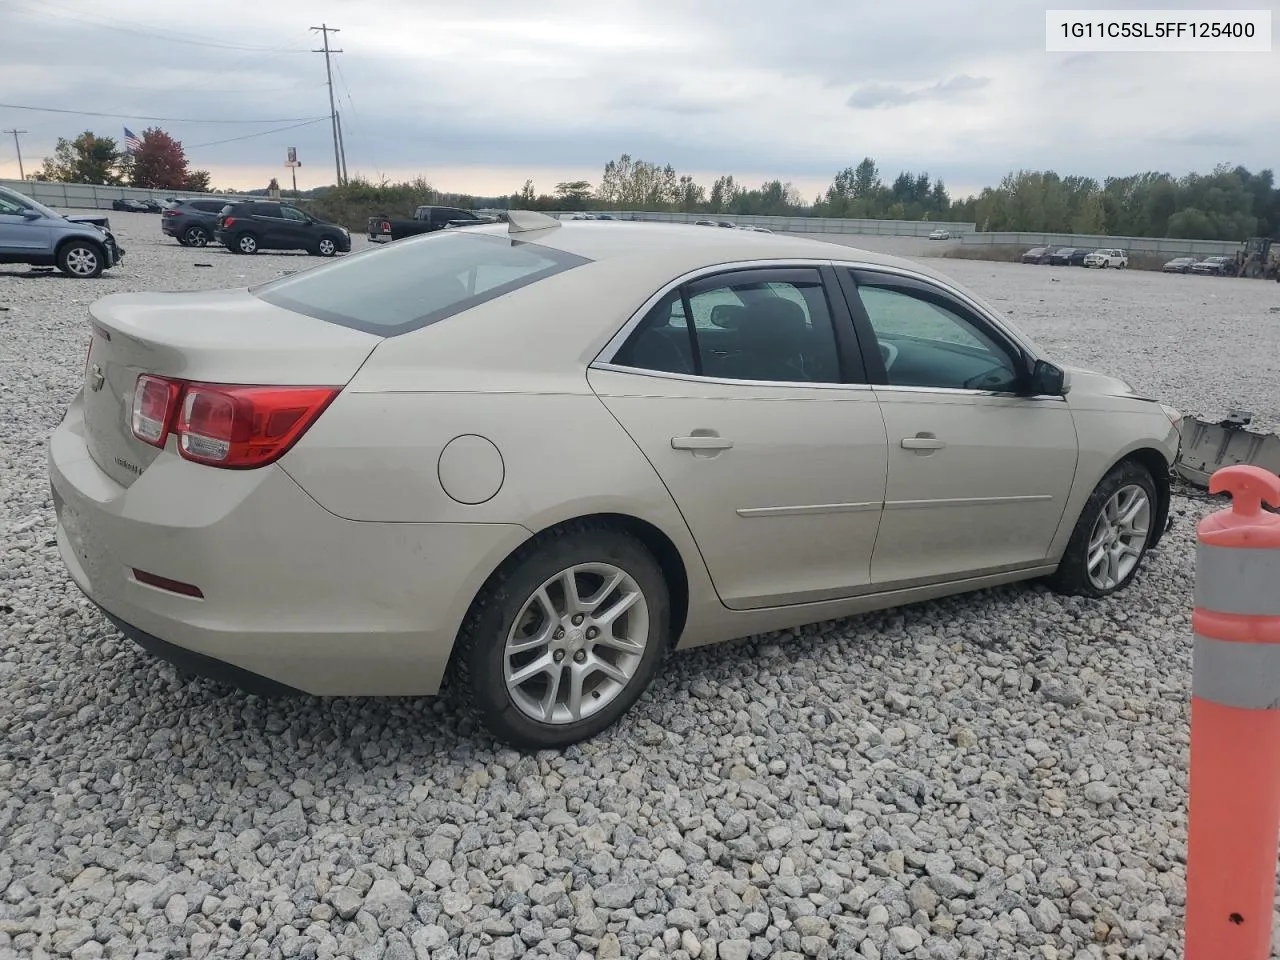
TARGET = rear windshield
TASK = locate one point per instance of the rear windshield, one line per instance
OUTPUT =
(416, 281)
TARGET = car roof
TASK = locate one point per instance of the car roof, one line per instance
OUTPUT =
(678, 245)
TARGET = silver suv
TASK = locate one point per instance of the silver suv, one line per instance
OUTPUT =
(32, 233)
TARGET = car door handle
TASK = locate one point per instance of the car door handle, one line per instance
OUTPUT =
(922, 442)
(700, 443)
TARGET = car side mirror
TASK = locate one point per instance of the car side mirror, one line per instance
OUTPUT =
(1048, 380)
(29, 214)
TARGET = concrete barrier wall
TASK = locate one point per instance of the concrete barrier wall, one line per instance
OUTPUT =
(1162, 246)
(87, 196)
(889, 228)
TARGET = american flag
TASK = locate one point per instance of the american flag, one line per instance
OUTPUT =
(131, 142)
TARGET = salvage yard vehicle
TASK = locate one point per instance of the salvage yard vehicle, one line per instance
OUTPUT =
(191, 222)
(79, 246)
(1107, 257)
(348, 487)
(1215, 266)
(1179, 265)
(940, 235)
(1068, 257)
(253, 225)
(1036, 255)
(426, 219)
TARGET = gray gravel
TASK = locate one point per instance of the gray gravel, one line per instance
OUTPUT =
(1000, 775)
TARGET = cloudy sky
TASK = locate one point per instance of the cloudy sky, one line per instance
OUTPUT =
(478, 96)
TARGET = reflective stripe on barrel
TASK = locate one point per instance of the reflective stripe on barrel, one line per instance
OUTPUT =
(1238, 580)
(1241, 675)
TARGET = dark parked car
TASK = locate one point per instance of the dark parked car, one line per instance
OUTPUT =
(426, 219)
(1215, 266)
(1179, 265)
(253, 225)
(1068, 257)
(192, 222)
(1036, 255)
(129, 206)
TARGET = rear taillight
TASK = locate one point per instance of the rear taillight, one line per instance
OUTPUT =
(226, 425)
(228, 221)
(153, 399)
(170, 213)
(386, 227)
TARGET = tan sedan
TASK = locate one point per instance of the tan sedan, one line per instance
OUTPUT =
(537, 456)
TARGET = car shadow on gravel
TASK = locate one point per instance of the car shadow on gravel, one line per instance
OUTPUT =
(833, 674)
(363, 733)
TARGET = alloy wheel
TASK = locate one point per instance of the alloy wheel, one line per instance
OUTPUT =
(576, 643)
(1118, 537)
(82, 261)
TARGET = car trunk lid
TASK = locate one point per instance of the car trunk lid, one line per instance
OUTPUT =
(227, 337)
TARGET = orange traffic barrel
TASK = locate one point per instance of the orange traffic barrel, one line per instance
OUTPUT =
(1234, 815)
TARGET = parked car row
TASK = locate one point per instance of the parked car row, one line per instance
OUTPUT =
(129, 205)
(247, 226)
(1078, 257)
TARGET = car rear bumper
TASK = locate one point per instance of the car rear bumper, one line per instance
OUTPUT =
(293, 596)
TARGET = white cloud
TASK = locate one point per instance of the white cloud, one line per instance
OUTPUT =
(485, 95)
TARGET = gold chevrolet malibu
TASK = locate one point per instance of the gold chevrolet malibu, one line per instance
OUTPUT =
(532, 457)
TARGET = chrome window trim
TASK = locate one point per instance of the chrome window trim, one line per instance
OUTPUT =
(726, 381)
(604, 358)
(982, 311)
(615, 342)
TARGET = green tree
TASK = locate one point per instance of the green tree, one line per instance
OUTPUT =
(198, 181)
(573, 194)
(86, 159)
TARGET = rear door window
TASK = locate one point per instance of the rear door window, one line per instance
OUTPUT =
(415, 282)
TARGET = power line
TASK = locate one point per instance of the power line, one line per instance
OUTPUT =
(18, 146)
(261, 133)
(134, 116)
(324, 30)
(61, 14)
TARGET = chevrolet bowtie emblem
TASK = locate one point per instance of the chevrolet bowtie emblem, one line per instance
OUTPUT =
(96, 379)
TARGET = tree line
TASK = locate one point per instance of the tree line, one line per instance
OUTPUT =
(1228, 203)
(158, 163)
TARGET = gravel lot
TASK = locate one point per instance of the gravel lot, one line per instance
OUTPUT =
(1000, 775)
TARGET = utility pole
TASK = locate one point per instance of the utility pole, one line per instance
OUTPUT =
(325, 30)
(342, 148)
(21, 174)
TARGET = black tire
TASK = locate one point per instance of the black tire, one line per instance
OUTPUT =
(246, 243)
(81, 259)
(1072, 576)
(326, 247)
(195, 236)
(478, 660)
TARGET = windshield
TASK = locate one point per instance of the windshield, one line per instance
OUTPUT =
(415, 281)
(25, 201)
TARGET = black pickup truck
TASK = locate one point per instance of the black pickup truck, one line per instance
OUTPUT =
(425, 220)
